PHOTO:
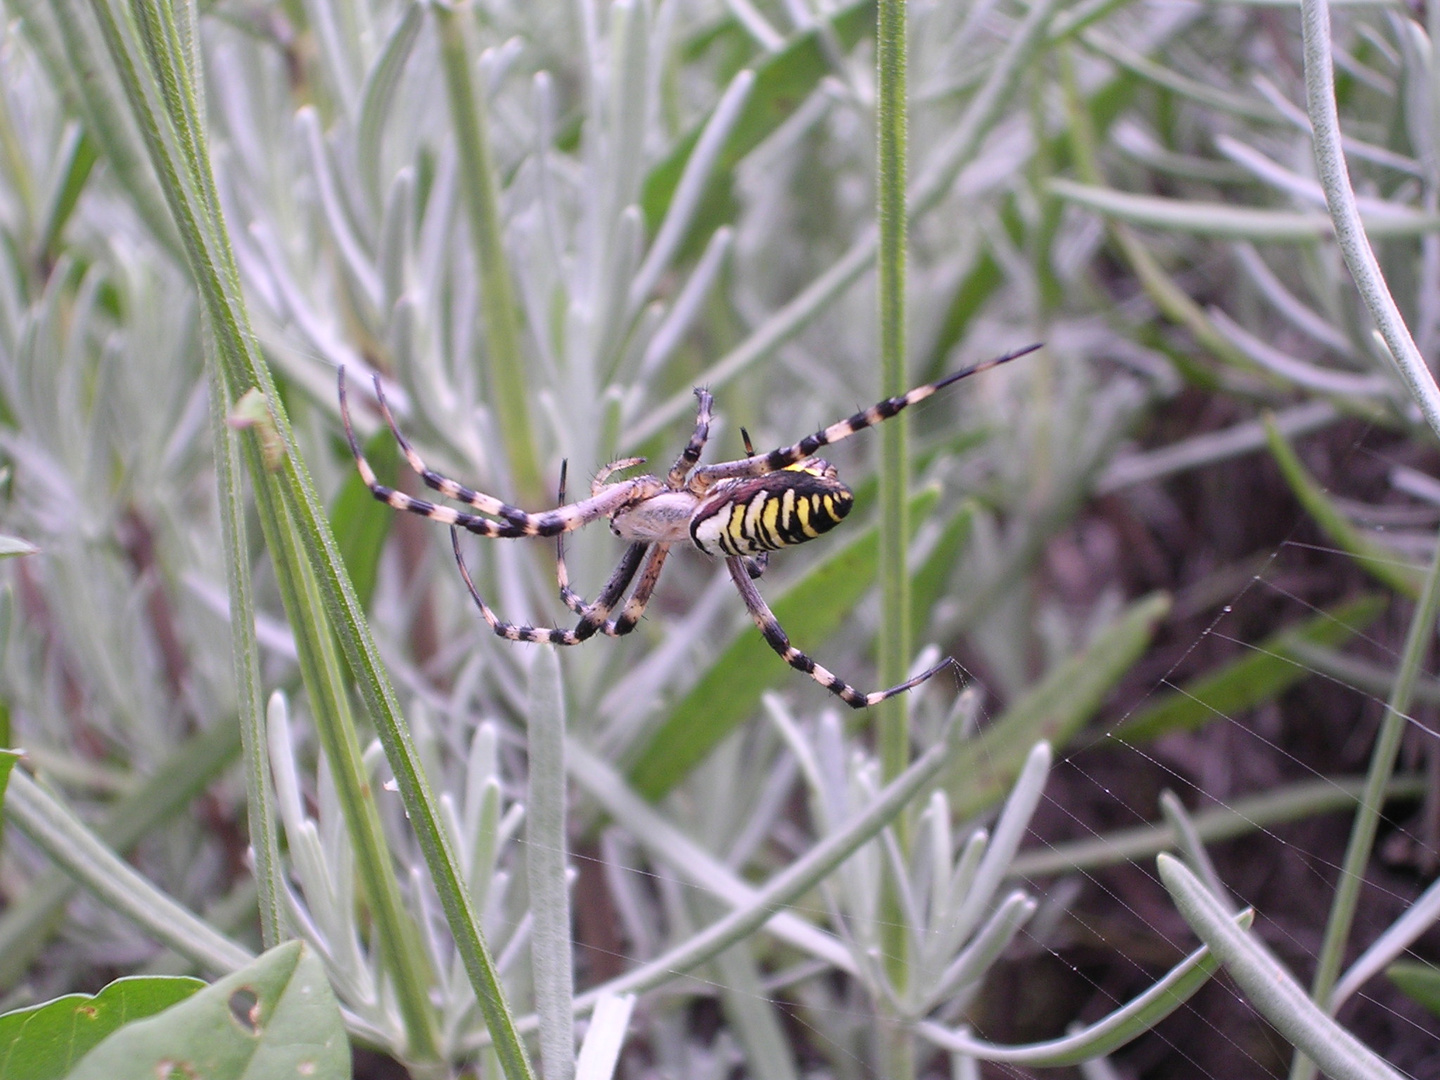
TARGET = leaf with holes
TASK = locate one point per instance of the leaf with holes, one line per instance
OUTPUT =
(272, 1019)
(45, 1041)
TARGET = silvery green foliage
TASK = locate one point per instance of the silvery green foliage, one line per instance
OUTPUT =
(345, 203)
(323, 908)
(105, 440)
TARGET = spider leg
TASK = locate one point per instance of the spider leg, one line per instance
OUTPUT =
(638, 599)
(843, 429)
(516, 522)
(691, 454)
(777, 639)
(591, 620)
(573, 600)
(641, 596)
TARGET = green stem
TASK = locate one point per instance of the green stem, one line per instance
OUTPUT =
(497, 295)
(1372, 800)
(190, 194)
(893, 738)
(335, 726)
(259, 808)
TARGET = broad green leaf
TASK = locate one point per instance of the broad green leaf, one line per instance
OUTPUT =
(45, 1041)
(729, 691)
(1262, 674)
(361, 522)
(273, 1019)
(782, 83)
(1418, 981)
(1067, 697)
(13, 545)
(1384, 565)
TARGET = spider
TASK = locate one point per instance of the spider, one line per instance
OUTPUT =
(741, 510)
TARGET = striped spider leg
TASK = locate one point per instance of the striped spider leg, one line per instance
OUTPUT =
(788, 456)
(514, 521)
(635, 608)
(739, 510)
(778, 640)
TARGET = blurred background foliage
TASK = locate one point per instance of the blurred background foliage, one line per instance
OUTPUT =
(659, 195)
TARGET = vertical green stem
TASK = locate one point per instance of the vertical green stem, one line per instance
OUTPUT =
(175, 143)
(245, 650)
(497, 292)
(894, 645)
(1372, 799)
(894, 462)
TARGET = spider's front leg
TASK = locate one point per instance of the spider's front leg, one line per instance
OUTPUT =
(777, 639)
(690, 456)
(708, 475)
(515, 522)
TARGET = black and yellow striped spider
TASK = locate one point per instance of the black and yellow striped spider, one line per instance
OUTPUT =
(742, 510)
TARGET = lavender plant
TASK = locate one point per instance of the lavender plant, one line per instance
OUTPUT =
(540, 225)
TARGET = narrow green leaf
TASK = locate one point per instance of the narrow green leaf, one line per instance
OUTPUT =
(551, 958)
(360, 522)
(1106, 1035)
(378, 94)
(1259, 676)
(29, 919)
(1230, 221)
(1420, 982)
(45, 1041)
(729, 691)
(1380, 563)
(988, 764)
(971, 292)
(1270, 988)
(782, 83)
(929, 581)
(79, 153)
(276, 1017)
(7, 762)
(12, 545)
(469, 117)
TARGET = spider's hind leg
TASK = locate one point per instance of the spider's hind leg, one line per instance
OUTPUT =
(593, 617)
(777, 639)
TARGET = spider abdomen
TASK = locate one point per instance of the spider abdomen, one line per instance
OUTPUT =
(775, 510)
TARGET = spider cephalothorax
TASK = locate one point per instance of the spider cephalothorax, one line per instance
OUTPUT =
(740, 510)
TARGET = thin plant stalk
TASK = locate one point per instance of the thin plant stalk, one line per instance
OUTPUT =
(1372, 800)
(497, 292)
(927, 192)
(249, 694)
(893, 736)
(1365, 270)
(1349, 230)
(190, 193)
